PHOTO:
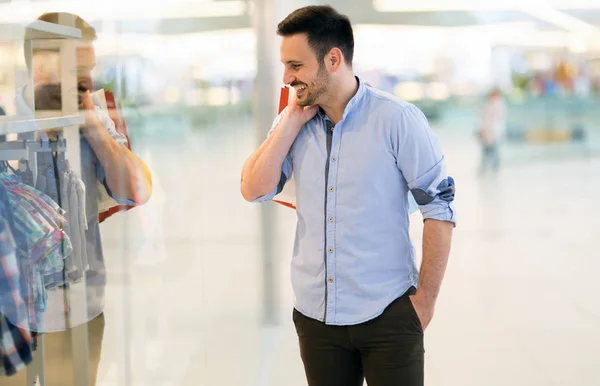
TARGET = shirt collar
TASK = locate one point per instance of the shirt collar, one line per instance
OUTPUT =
(352, 103)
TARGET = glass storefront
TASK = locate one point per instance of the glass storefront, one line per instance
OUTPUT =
(184, 287)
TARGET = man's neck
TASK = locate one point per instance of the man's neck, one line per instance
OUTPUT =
(342, 94)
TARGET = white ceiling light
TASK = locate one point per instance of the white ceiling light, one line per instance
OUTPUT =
(546, 10)
(561, 19)
(110, 10)
(478, 5)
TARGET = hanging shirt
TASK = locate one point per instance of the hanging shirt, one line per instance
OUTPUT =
(12, 305)
(73, 202)
(15, 339)
(41, 243)
(15, 347)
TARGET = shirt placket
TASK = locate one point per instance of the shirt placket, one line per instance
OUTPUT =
(333, 134)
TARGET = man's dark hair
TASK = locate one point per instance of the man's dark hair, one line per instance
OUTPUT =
(325, 28)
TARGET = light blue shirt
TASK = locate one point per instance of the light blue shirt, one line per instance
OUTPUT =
(353, 254)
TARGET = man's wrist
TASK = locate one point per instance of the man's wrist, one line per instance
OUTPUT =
(427, 296)
(293, 121)
(92, 125)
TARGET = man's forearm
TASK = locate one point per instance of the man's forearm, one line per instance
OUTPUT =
(262, 171)
(126, 175)
(437, 237)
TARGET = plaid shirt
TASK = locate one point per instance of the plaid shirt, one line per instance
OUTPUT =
(41, 244)
(16, 343)
(16, 347)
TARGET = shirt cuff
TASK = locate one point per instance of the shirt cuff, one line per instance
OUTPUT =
(439, 210)
(278, 189)
(266, 197)
(119, 200)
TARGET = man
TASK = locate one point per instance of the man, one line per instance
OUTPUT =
(106, 163)
(355, 154)
(491, 131)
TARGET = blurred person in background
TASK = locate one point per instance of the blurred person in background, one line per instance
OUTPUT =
(361, 304)
(492, 129)
(106, 163)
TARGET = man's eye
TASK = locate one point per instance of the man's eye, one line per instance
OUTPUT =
(296, 66)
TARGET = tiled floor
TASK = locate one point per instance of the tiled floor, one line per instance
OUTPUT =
(519, 305)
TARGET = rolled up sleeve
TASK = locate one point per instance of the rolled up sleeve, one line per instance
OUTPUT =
(286, 168)
(420, 159)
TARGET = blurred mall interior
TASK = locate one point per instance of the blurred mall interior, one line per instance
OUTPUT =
(198, 279)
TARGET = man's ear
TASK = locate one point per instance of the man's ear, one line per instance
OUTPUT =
(334, 59)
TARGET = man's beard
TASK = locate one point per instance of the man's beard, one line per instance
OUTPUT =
(317, 88)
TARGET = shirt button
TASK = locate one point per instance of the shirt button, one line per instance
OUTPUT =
(330, 280)
(330, 219)
(330, 250)
(53, 195)
(49, 166)
(334, 159)
(331, 189)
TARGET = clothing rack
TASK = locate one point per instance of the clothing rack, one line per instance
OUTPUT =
(64, 39)
(25, 149)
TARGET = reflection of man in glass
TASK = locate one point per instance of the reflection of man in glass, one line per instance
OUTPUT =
(106, 164)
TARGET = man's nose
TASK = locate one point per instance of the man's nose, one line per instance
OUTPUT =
(288, 78)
